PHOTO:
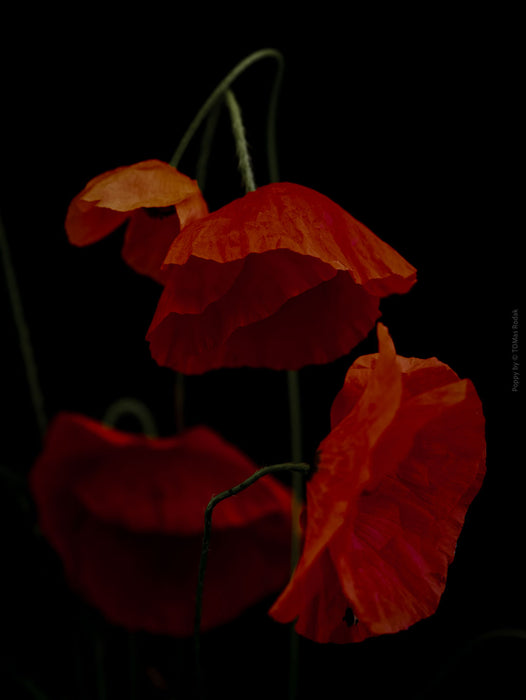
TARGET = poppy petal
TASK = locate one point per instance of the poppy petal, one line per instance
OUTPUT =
(396, 475)
(109, 198)
(147, 240)
(170, 499)
(334, 487)
(149, 235)
(301, 255)
(126, 514)
(290, 338)
(148, 581)
(286, 216)
(198, 314)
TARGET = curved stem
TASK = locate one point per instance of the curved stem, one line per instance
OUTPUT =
(219, 92)
(135, 408)
(206, 145)
(31, 688)
(286, 466)
(26, 346)
(238, 130)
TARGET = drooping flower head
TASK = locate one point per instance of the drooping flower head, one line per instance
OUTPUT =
(403, 461)
(153, 197)
(280, 278)
(126, 515)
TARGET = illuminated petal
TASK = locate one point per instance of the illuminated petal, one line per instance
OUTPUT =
(301, 280)
(155, 198)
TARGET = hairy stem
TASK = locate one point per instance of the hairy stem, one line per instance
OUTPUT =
(287, 466)
(245, 166)
(218, 94)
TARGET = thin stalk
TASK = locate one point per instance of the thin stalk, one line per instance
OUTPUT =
(100, 673)
(132, 656)
(296, 505)
(219, 92)
(206, 145)
(31, 688)
(272, 469)
(24, 337)
(296, 456)
(238, 129)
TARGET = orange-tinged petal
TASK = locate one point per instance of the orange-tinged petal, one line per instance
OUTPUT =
(292, 217)
(301, 284)
(151, 232)
(150, 183)
(86, 224)
(112, 198)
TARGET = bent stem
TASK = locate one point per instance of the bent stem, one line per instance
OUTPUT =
(135, 408)
(286, 466)
(219, 92)
(206, 145)
(26, 346)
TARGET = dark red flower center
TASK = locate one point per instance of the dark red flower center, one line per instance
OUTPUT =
(160, 212)
(350, 618)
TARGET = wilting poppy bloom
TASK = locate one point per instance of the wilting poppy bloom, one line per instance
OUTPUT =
(126, 513)
(280, 278)
(396, 474)
(153, 197)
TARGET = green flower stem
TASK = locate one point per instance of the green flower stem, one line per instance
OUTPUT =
(132, 658)
(135, 408)
(206, 145)
(100, 672)
(272, 469)
(296, 505)
(296, 456)
(218, 94)
(245, 167)
(33, 690)
(202, 163)
(26, 347)
(210, 109)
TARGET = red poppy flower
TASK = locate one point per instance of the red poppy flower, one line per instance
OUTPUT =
(126, 513)
(280, 278)
(403, 461)
(156, 200)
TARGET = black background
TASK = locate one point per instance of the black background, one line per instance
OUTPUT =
(408, 122)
